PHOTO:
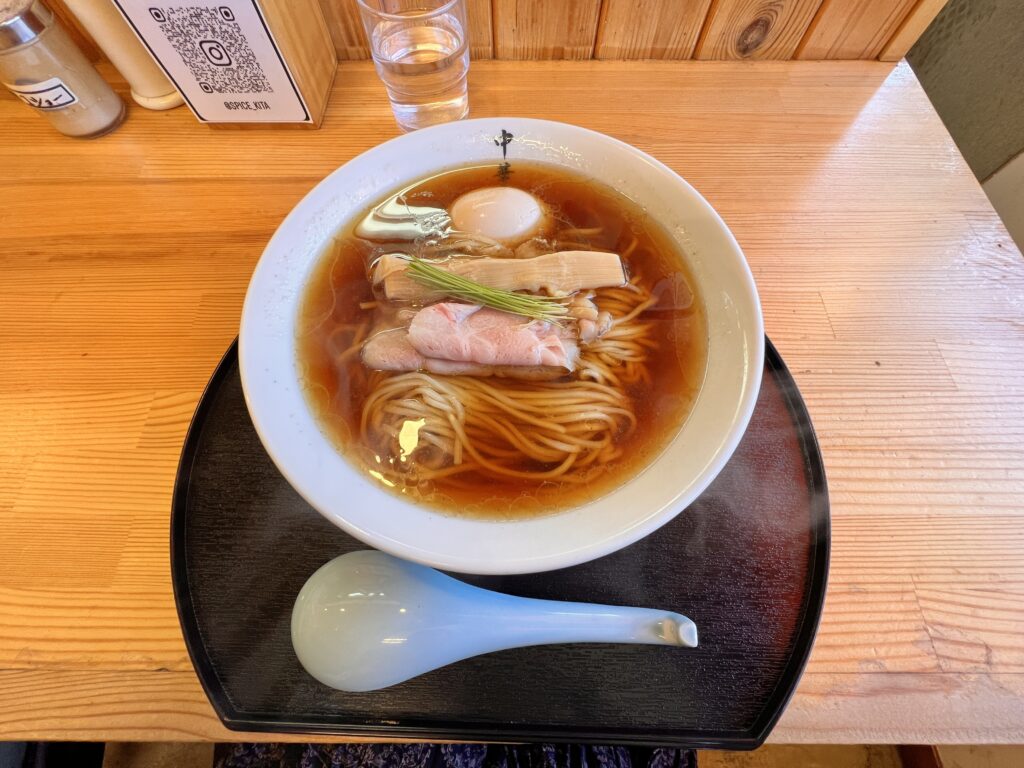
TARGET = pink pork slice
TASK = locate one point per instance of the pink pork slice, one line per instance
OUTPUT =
(390, 350)
(471, 334)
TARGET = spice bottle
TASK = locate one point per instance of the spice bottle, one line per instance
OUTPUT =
(41, 65)
(150, 87)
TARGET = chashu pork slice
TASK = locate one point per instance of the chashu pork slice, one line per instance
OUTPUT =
(466, 333)
(391, 350)
(466, 340)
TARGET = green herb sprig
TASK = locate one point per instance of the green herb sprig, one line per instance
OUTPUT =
(547, 308)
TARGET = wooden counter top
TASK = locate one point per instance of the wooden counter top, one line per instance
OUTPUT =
(889, 285)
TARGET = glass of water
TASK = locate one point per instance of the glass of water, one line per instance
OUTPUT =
(421, 51)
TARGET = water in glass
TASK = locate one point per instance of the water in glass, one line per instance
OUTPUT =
(424, 69)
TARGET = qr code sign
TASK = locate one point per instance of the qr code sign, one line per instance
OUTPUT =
(222, 57)
(213, 46)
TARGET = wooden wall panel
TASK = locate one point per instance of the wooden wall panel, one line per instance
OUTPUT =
(545, 29)
(650, 29)
(853, 29)
(756, 29)
(913, 27)
(346, 30)
(350, 39)
(481, 26)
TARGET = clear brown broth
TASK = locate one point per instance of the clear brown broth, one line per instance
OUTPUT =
(340, 282)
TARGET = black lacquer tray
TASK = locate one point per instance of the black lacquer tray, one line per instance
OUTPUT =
(747, 562)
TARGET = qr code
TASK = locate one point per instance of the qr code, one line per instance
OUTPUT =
(214, 48)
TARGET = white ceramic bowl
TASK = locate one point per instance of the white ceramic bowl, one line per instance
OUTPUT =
(344, 496)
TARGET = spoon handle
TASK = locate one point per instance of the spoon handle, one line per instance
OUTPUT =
(539, 622)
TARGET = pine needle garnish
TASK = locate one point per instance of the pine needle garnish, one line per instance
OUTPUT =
(546, 308)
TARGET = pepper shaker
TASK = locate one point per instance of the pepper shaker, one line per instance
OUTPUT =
(41, 65)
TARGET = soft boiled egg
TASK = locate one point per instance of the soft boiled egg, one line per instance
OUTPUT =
(506, 214)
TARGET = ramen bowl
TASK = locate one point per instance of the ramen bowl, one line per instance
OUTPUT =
(698, 449)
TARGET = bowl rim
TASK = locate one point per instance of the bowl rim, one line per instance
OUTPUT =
(629, 534)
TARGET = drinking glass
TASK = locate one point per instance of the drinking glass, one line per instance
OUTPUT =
(421, 52)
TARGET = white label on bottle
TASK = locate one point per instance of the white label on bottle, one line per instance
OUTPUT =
(221, 57)
(49, 94)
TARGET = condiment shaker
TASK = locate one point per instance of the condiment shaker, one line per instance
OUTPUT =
(150, 87)
(41, 65)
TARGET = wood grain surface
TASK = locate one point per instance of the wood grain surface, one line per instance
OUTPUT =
(650, 29)
(888, 283)
(755, 29)
(342, 17)
(911, 29)
(654, 29)
(525, 29)
(854, 29)
(481, 29)
(305, 41)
